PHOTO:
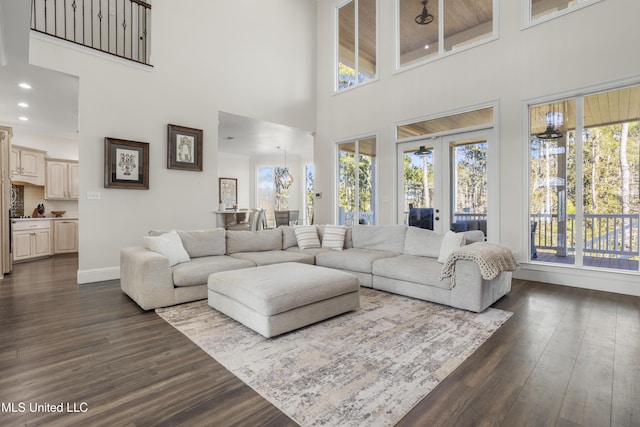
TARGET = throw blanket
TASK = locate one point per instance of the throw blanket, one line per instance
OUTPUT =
(492, 258)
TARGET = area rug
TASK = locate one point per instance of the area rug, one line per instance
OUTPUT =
(364, 368)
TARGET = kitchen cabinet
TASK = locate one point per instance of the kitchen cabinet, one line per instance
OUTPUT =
(65, 236)
(31, 239)
(27, 165)
(62, 180)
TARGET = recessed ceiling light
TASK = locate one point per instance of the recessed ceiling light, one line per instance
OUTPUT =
(23, 105)
(25, 85)
(426, 46)
(23, 118)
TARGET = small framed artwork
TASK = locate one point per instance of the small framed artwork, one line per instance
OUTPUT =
(228, 190)
(126, 164)
(184, 148)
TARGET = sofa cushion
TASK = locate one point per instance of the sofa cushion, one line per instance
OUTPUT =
(288, 236)
(380, 237)
(348, 241)
(422, 242)
(473, 236)
(197, 271)
(411, 268)
(354, 259)
(313, 251)
(253, 241)
(450, 243)
(333, 237)
(199, 243)
(307, 236)
(274, 257)
(168, 245)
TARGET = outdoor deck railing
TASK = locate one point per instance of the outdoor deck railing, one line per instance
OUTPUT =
(116, 27)
(603, 235)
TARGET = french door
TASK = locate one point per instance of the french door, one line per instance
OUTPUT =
(445, 178)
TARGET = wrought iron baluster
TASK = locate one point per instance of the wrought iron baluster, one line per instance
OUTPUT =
(131, 20)
(45, 15)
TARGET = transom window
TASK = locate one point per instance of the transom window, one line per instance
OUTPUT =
(430, 29)
(542, 10)
(357, 41)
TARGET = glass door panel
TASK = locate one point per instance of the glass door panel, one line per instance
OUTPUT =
(421, 185)
(469, 182)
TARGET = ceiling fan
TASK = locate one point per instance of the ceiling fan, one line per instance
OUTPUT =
(422, 151)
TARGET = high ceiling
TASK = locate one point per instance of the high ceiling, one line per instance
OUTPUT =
(53, 97)
(247, 136)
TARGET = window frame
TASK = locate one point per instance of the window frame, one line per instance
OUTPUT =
(528, 21)
(336, 47)
(578, 95)
(336, 156)
(399, 68)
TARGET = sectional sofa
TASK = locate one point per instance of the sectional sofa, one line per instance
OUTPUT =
(174, 267)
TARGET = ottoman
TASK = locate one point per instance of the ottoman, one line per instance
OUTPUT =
(278, 298)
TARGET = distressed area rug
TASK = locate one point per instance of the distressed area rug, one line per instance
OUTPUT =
(364, 368)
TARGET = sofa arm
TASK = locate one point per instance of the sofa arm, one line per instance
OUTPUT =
(146, 277)
(472, 292)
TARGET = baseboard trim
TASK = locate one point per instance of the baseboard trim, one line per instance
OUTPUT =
(619, 282)
(98, 275)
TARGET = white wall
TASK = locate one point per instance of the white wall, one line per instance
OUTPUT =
(56, 147)
(207, 56)
(592, 46)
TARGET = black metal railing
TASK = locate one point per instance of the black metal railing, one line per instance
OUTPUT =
(117, 27)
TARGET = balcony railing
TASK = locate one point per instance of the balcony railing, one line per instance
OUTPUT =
(612, 235)
(116, 27)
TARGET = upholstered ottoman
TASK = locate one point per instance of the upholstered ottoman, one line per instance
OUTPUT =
(278, 298)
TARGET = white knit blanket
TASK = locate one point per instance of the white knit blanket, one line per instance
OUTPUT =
(492, 258)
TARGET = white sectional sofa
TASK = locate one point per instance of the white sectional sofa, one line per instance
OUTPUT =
(394, 258)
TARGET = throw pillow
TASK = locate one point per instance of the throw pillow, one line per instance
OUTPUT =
(450, 243)
(168, 245)
(333, 237)
(422, 242)
(307, 237)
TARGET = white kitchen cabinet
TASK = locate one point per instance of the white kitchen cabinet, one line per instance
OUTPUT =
(62, 180)
(65, 236)
(31, 239)
(27, 165)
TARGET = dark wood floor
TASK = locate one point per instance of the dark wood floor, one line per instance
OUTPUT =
(567, 357)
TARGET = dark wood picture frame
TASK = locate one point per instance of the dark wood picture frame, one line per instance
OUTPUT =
(126, 164)
(184, 148)
(228, 192)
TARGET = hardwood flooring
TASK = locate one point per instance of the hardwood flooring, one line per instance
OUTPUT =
(567, 357)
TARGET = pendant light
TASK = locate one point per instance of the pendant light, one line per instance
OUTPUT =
(422, 151)
(283, 176)
(552, 131)
(425, 17)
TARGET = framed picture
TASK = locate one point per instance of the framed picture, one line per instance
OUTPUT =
(228, 191)
(184, 148)
(126, 164)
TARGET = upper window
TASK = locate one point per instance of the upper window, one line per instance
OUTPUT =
(357, 41)
(541, 10)
(429, 29)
